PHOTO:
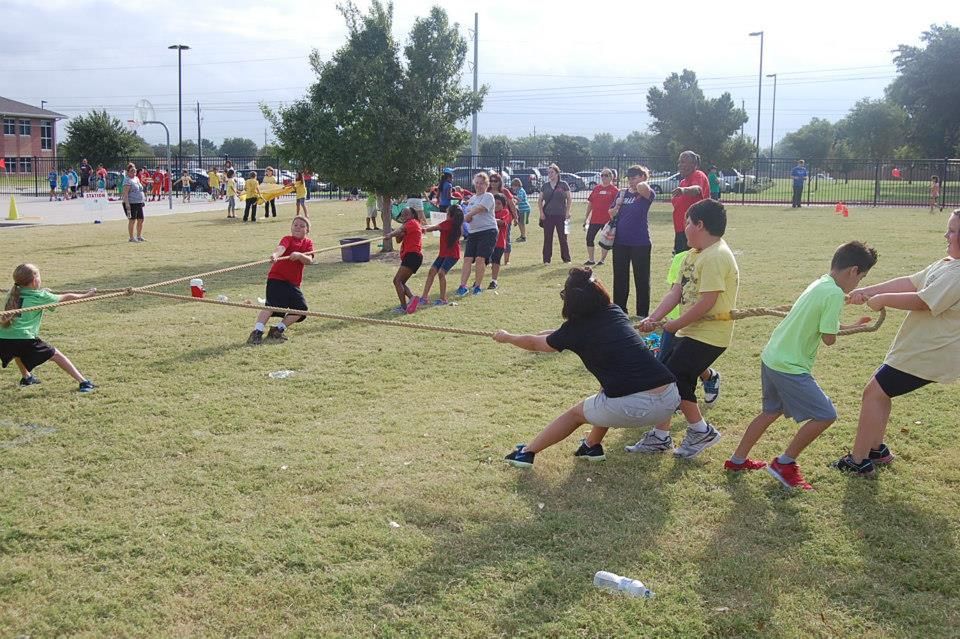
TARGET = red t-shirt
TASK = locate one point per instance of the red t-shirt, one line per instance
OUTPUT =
(681, 203)
(601, 200)
(290, 270)
(445, 228)
(101, 172)
(166, 181)
(157, 180)
(412, 238)
(507, 217)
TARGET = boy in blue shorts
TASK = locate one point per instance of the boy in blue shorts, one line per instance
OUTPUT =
(52, 178)
(786, 363)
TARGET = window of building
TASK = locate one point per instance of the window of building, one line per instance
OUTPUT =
(11, 164)
(26, 165)
(9, 126)
(24, 127)
(46, 135)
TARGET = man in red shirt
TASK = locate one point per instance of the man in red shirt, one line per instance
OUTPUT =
(694, 186)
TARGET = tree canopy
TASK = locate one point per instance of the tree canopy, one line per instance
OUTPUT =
(873, 128)
(238, 147)
(101, 139)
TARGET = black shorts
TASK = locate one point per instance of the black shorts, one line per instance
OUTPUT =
(592, 231)
(412, 261)
(32, 352)
(686, 358)
(497, 255)
(84, 181)
(285, 295)
(480, 245)
(895, 382)
(135, 212)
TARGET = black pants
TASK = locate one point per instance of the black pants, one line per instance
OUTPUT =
(251, 207)
(680, 243)
(553, 223)
(267, 206)
(797, 194)
(639, 258)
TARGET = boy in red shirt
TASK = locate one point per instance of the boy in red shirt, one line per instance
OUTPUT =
(283, 282)
(410, 234)
(450, 231)
(504, 219)
(157, 185)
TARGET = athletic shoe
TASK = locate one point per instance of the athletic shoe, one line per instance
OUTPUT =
(412, 306)
(847, 465)
(440, 302)
(600, 263)
(520, 459)
(748, 464)
(589, 263)
(476, 289)
(695, 443)
(276, 335)
(882, 455)
(522, 238)
(86, 386)
(141, 239)
(29, 380)
(256, 338)
(711, 388)
(789, 475)
(492, 286)
(425, 300)
(399, 309)
(133, 239)
(590, 453)
(463, 290)
(651, 443)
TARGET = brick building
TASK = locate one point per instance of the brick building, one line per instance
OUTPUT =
(28, 133)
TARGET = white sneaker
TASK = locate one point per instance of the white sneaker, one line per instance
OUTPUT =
(651, 443)
(695, 443)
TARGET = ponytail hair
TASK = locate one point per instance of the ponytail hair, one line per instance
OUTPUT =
(23, 277)
(455, 215)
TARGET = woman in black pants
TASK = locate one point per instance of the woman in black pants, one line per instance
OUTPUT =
(631, 245)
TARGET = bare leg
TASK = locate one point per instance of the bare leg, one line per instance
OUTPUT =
(140, 228)
(494, 271)
(465, 271)
(595, 436)
(290, 320)
(523, 228)
(481, 266)
(400, 284)
(807, 433)
(558, 430)
(443, 285)
(753, 433)
(61, 360)
(263, 317)
(23, 369)
(603, 254)
(130, 226)
(874, 415)
(690, 411)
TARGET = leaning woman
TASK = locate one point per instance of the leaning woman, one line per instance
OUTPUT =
(637, 391)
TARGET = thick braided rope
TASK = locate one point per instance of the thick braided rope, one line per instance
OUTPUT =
(782, 311)
(333, 316)
(81, 300)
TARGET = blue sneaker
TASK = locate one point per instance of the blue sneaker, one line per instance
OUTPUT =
(29, 380)
(399, 309)
(711, 388)
(463, 290)
(519, 459)
(477, 290)
(86, 386)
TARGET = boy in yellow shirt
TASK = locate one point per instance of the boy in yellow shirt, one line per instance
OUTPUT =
(231, 194)
(213, 179)
(709, 282)
(251, 193)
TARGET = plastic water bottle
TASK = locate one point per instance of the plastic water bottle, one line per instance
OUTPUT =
(566, 227)
(630, 587)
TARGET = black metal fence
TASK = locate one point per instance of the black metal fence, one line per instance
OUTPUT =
(852, 181)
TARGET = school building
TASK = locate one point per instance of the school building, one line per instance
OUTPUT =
(28, 133)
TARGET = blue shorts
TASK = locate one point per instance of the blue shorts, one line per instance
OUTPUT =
(444, 264)
(797, 396)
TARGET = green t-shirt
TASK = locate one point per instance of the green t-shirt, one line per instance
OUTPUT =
(372, 199)
(673, 276)
(27, 325)
(793, 345)
(714, 180)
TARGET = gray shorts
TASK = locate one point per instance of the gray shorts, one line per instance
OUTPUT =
(415, 203)
(798, 397)
(372, 211)
(639, 410)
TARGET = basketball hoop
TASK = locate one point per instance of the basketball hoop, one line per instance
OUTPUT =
(142, 112)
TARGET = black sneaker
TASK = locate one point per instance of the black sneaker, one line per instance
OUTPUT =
(882, 455)
(492, 286)
(520, 459)
(86, 386)
(29, 380)
(590, 453)
(276, 334)
(589, 263)
(256, 338)
(847, 465)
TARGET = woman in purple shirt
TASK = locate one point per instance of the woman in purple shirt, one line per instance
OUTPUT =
(631, 245)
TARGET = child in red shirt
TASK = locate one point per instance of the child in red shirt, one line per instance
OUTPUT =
(283, 282)
(504, 219)
(450, 231)
(157, 185)
(410, 234)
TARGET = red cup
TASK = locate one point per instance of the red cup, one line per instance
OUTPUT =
(196, 287)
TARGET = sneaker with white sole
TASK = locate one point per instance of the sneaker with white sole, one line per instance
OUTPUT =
(695, 442)
(651, 443)
(711, 388)
(520, 459)
(590, 453)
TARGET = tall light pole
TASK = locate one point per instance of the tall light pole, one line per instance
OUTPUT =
(773, 113)
(759, 95)
(180, 49)
(43, 104)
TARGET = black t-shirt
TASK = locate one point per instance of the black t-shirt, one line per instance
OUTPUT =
(85, 170)
(612, 349)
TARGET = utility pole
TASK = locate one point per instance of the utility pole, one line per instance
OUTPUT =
(199, 140)
(474, 141)
(743, 107)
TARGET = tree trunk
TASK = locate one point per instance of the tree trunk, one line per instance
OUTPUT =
(386, 218)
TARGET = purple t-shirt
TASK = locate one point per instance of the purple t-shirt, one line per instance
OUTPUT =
(632, 226)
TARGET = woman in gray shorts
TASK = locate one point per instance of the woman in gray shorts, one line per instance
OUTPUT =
(637, 391)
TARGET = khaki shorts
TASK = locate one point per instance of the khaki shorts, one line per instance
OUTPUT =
(639, 410)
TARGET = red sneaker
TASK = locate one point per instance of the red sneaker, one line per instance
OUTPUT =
(789, 475)
(412, 306)
(748, 464)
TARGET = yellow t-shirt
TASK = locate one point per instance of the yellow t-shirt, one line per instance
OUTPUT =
(231, 187)
(251, 188)
(214, 179)
(928, 342)
(301, 189)
(269, 179)
(712, 269)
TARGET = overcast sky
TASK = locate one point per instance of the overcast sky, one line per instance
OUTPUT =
(551, 67)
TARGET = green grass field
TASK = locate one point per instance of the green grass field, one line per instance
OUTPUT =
(192, 495)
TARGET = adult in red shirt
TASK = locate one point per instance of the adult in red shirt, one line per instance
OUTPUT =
(599, 203)
(283, 282)
(694, 186)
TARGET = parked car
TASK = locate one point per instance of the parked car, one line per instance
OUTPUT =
(592, 178)
(463, 176)
(575, 182)
(734, 181)
(664, 184)
(529, 177)
(113, 178)
(281, 178)
(824, 176)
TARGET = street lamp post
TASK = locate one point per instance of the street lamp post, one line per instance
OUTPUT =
(773, 113)
(43, 104)
(180, 48)
(759, 95)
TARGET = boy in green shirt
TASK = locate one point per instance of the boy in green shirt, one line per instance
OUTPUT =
(789, 389)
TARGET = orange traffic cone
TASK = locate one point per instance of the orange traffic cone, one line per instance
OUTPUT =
(839, 207)
(846, 211)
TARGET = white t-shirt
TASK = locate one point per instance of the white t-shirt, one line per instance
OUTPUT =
(928, 342)
(482, 221)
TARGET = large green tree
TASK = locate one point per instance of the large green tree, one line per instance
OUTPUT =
(687, 120)
(496, 147)
(238, 147)
(532, 145)
(572, 153)
(874, 128)
(927, 89)
(811, 142)
(101, 139)
(378, 121)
